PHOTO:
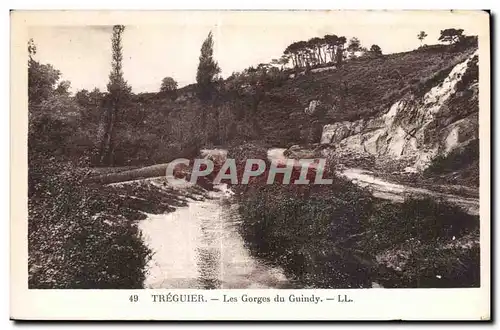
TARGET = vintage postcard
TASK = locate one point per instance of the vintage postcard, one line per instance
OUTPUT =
(250, 165)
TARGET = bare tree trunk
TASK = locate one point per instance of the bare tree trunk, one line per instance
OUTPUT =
(319, 55)
(105, 140)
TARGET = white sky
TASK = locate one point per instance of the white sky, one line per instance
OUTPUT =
(156, 48)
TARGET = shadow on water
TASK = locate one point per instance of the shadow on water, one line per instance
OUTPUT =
(209, 268)
(199, 246)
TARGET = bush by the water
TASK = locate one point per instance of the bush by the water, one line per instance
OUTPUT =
(431, 243)
(80, 236)
(298, 230)
(340, 236)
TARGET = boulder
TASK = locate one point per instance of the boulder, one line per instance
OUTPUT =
(312, 108)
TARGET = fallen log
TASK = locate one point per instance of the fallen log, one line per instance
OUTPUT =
(152, 171)
(129, 175)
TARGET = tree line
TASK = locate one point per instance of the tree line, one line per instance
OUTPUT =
(331, 49)
(108, 108)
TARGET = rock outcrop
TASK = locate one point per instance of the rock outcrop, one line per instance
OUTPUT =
(417, 128)
(311, 109)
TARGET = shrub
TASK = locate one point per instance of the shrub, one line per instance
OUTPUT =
(423, 219)
(76, 237)
(297, 227)
(457, 159)
(430, 243)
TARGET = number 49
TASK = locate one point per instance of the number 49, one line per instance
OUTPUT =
(134, 298)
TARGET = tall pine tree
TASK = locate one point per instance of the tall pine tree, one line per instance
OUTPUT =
(118, 93)
(208, 69)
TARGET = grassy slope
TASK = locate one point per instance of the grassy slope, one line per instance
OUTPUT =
(372, 86)
(158, 128)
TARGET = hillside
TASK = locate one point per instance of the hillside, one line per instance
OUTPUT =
(275, 115)
(280, 111)
(360, 88)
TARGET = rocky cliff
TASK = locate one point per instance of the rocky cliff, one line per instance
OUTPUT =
(419, 126)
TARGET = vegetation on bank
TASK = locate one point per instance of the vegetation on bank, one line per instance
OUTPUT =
(80, 236)
(340, 236)
(460, 166)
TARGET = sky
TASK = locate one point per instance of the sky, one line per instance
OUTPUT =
(168, 44)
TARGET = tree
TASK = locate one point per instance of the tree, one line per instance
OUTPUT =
(452, 36)
(316, 44)
(331, 41)
(290, 52)
(339, 49)
(315, 50)
(421, 36)
(375, 50)
(118, 94)
(63, 88)
(208, 69)
(168, 86)
(353, 46)
(42, 78)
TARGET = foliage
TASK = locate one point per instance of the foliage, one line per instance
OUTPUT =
(169, 87)
(376, 50)
(208, 69)
(421, 36)
(76, 239)
(42, 79)
(63, 88)
(353, 46)
(451, 36)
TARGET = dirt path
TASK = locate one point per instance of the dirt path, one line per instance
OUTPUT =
(397, 192)
(384, 189)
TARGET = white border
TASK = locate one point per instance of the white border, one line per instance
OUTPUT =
(66, 301)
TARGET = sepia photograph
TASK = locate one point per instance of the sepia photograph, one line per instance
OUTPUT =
(294, 150)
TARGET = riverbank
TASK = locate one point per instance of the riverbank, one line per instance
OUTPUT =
(86, 236)
(342, 239)
(362, 230)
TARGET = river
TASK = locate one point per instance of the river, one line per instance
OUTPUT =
(199, 247)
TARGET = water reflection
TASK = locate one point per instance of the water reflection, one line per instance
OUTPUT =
(199, 247)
